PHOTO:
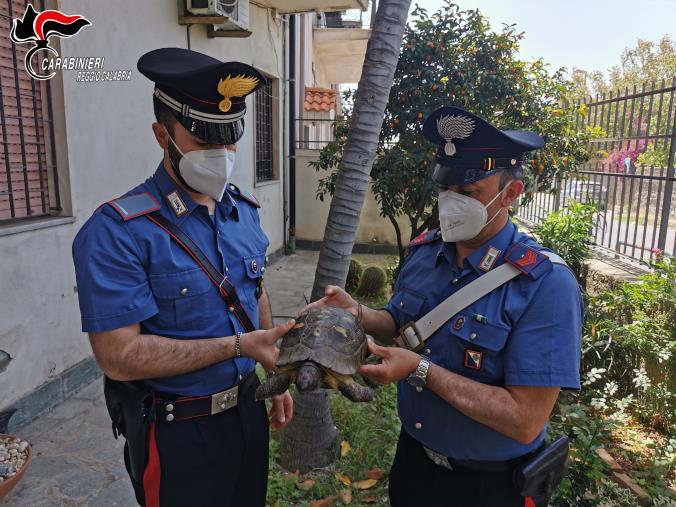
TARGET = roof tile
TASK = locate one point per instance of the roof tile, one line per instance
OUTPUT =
(320, 99)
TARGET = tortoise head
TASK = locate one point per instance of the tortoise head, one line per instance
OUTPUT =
(308, 377)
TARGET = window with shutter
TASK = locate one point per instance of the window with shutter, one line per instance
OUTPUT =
(26, 140)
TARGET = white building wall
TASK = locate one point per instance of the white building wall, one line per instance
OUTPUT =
(110, 149)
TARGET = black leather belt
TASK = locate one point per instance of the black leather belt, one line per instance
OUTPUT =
(478, 466)
(170, 408)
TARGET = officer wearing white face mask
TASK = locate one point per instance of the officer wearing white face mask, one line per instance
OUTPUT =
(170, 282)
(487, 325)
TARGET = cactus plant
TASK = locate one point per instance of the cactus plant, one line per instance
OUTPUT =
(353, 276)
(373, 281)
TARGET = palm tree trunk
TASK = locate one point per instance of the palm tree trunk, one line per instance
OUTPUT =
(382, 55)
(380, 62)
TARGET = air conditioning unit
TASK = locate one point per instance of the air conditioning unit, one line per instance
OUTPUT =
(236, 12)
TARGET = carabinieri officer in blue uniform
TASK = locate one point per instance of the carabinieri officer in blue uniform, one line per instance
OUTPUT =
(156, 317)
(475, 396)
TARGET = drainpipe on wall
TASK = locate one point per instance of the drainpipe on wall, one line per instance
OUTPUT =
(284, 92)
(292, 134)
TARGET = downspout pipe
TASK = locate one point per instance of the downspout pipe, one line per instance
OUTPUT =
(292, 133)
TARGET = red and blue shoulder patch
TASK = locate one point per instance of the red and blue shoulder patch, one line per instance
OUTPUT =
(528, 260)
(424, 238)
(250, 198)
(132, 206)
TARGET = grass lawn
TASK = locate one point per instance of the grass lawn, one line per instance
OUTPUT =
(368, 434)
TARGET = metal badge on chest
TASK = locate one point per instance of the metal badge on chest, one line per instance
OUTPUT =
(176, 203)
(489, 259)
(473, 359)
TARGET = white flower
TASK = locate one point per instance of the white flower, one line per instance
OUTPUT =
(599, 403)
(641, 380)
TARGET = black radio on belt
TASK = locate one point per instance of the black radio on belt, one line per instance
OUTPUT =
(540, 475)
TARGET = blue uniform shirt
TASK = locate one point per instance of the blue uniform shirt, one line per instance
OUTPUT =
(133, 272)
(525, 333)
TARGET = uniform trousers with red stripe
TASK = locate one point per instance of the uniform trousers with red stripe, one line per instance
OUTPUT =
(216, 460)
(416, 480)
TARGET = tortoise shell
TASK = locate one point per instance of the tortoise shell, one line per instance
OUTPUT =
(329, 336)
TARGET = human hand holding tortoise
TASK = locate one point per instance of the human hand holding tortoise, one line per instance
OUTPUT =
(324, 348)
(337, 297)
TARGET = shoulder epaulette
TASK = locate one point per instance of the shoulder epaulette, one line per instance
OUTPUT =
(236, 191)
(425, 237)
(136, 205)
(528, 260)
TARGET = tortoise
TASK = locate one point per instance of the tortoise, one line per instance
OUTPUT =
(323, 349)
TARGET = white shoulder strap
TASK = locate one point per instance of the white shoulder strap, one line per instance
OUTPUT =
(414, 334)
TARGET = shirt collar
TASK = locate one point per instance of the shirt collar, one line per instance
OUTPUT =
(500, 242)
(175, 198)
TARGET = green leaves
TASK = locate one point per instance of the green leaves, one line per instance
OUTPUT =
(454, 57)
(568, 232)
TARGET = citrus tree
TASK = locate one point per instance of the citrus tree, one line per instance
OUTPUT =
(454, 58)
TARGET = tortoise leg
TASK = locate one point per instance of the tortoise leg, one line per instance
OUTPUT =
(276, 384)
(354, 391)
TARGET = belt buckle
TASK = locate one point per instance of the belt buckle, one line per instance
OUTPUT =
(224, 400)
(406, 338)
(438, 459)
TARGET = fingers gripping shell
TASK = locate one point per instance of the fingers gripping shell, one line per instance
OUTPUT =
(329, 336)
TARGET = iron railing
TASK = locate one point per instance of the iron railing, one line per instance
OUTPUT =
(314, 132)
(352, 18)
(631, 174)
(630, 209)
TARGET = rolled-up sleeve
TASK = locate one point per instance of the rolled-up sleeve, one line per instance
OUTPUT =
(112, 282)
(545, 344)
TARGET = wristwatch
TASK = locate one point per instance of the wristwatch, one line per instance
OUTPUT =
(418, 378)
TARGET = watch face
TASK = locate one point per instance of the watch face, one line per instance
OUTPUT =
(415, 381)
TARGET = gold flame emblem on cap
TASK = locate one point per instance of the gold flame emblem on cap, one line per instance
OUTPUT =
(238, 86)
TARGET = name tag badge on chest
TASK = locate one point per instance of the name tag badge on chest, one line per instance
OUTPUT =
(489, 258)
(177, 204)
(474, 359)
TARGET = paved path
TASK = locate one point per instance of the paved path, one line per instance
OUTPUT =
(76, 459)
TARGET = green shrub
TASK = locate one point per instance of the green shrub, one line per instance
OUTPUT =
(568, 232)
(586, 431)
(373, 281)
(630, 335)
(353, 276)
(628, 369)
(392, 269)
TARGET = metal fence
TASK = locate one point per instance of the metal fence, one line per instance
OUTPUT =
(631, 174)
(315, 130)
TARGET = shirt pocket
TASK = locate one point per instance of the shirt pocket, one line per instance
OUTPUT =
(182, 298)
(408, 305)
(254, 267)
(477, 348)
